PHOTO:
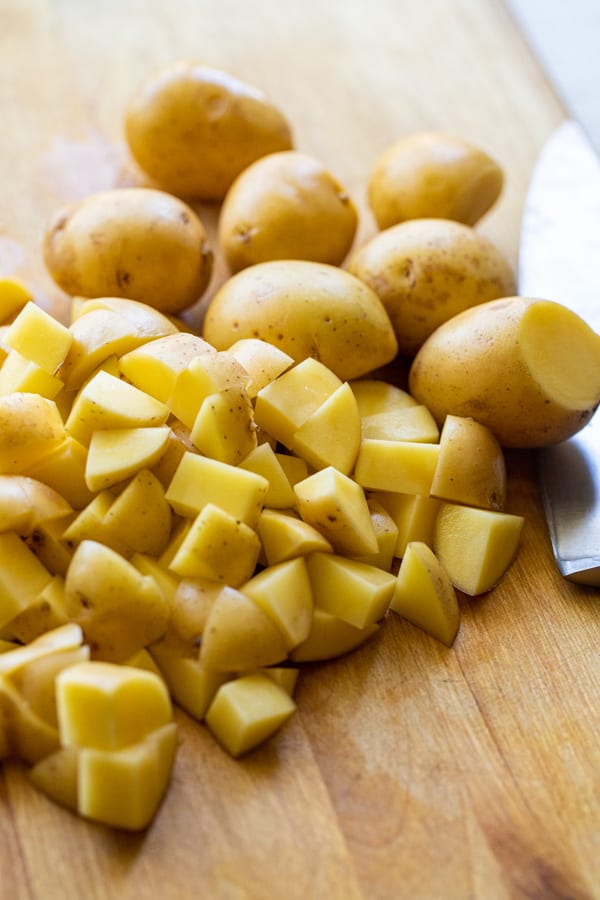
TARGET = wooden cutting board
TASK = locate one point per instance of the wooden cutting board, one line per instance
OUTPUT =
(409, 770)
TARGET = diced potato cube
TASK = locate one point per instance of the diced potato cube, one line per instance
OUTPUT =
(43, 614)
(199, 481)
(13, 297)
(22, 577)
(18, 373)
(330, 436)
(116, 455)
(295, 468)
(410, 423)
(56, 776)
(247, 711)
(283, 405)
(38, 336)
(285, 536)
(35, 681)
(106, 402)
(124, 788)
(144, 321)
(475, 546)
(191, 685)
(63, 468)
(108, 706)
(89, 525)
(97, 336)
(155, 366)
(262, 361)
(140, 517)
(285, 676)
(191, 604)
(217, 546)
(24, 734)
(265, 462)
(402, 466)
(336, 506)
(424, 594)
(30, 427)
(386, 532)
(330, 637)
(349, 589)
(119, 609)
(224, 426)
(239, 636)
(414, 516)
(471, 468)
(206, 374)
(375, 396)
(283, 592)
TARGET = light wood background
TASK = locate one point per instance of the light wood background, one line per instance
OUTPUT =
(410, 770)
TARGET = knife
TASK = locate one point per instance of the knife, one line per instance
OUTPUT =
(559, 258)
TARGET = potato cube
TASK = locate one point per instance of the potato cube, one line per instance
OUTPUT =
(191, 685)
(475, 546)
(24, 735)
(413, 515)
(349, 589)
(239, 636)
(63, 468)
(119, 609)
(18, 373)
(330, 436)
(471, 468)
(402, 466)
(224, 426)
(124, 788)
(265, 462)
(108, 706)
(285, 536)
(284, 676)
(116, 455)
(375, 397)
(56, 776)
(140, 517)
(410, 423)
(336, 506)
(247, 711)
(13, 297)
(199, 481)
(295, 468)
(190, 606)
(330, 637)
(283, 405)
(144, 321)
(386, 532)
(154, 367)
(219, 547)
(424, 594)
(38, 336)
(22, 577)
(262, 361)
(106, 402)
(206, 374)
(30, 427)
(43, 614)
(283, 592)
(96, 337)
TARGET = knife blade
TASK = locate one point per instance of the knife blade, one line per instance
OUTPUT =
(558, 260)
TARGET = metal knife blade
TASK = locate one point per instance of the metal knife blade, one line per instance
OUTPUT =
(559, 260)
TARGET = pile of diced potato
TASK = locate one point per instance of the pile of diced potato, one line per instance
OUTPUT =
(185, 525)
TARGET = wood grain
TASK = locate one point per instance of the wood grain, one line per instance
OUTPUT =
(410, 770)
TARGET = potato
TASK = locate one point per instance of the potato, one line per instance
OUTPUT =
(427, 270)
(193, 129)
(136, 243)
(286, 206)
(528, 369)
(307, 309)
(433, 175)
(471, 468)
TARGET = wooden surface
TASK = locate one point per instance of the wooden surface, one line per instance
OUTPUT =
(409, 770)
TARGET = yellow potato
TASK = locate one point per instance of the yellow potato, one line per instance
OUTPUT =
(427, 270)
(136, 243)
(430, 174)
(307, 309)
(193, 129)
(527, 369)
(286, 206)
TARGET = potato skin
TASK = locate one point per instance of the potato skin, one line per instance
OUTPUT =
(193, 129)
(431, 174)
(474, 365)
(427, 270)
(286, 206)
(137, 243)
(306, 309)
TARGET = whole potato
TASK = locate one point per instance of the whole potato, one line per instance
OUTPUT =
(433, 175)
(286, 206)
(427, 270)
(136, 243)
(193, 129)
(307, 309)
(528, 369)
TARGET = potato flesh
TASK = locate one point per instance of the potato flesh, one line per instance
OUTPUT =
(178, 542)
